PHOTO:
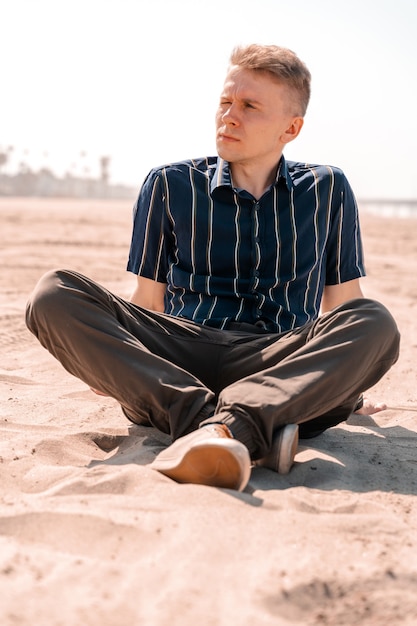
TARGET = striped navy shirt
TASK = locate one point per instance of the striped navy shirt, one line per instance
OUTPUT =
(228, 257)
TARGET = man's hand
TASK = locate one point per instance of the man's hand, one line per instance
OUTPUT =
(369, 407)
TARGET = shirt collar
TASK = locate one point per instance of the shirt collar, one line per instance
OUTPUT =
(284, 173)
(222, 176)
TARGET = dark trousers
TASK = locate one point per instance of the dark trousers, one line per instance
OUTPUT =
(176, 374)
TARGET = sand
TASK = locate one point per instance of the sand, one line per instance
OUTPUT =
(89, 535)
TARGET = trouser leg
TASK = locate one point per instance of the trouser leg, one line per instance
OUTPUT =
(330, 363)
(314, 427)
(170, 371)
(129, 353)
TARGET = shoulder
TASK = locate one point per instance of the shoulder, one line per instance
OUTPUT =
(298, 169)
(326, 180)
(177, 179)
(203, 165)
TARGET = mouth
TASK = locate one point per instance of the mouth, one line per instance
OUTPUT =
(226, 138)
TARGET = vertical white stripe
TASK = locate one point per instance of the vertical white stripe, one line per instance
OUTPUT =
(357, 238)
(210, 239)
(180, 299)
(339, 239)
(193, 229)
(277, 252)
(212, 307)
(200, 302)
(318, 257)
(169, 213)
(170, 298)
(148, 220)
(257, 249)
(170, 278)
(294, 255)
(240, 310)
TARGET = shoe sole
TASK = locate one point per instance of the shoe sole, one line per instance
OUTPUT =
(287, 448)
(217, 463)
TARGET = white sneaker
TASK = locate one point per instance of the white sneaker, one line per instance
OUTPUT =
(280, 458)
(207, 456)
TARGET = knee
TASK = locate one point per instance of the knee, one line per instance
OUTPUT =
(47, 300)
(378, 324)
(377, 316)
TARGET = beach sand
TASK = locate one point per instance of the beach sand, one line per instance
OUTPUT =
(90, 536)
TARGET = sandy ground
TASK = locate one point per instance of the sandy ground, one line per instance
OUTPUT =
(89, 535)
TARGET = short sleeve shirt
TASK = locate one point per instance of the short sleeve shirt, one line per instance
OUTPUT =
(226, 256)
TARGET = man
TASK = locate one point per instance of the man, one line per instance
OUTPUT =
(222, 345)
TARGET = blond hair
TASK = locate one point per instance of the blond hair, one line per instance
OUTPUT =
(283, 64)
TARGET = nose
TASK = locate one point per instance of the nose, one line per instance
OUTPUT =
(229, 116)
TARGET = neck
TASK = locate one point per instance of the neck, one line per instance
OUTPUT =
(255, 180)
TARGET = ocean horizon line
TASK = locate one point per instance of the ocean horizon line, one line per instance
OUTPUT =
(389, 207)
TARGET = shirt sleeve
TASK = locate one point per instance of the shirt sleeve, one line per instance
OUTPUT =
(344, 249)
(151, 234)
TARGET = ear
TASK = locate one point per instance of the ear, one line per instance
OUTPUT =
(293, 130)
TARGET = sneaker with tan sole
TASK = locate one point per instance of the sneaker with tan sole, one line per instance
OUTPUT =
(280, 458)
(207, 456)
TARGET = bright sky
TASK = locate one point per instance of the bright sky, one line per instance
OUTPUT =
(139, 80)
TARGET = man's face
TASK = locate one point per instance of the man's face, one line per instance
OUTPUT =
(255, 118)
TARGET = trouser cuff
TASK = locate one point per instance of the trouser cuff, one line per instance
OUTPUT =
(237, 426)
(205, 415)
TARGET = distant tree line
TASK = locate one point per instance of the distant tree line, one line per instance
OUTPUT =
(44, 182)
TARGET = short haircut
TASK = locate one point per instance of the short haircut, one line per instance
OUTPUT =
(283, 64)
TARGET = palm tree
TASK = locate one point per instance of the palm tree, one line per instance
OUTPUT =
(3, 158)
(104, 169)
